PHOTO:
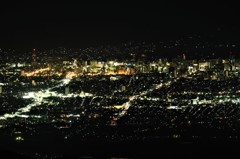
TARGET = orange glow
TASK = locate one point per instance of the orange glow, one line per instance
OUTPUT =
(36, 71)
(70, 75)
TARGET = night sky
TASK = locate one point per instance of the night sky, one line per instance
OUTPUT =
(29, 24)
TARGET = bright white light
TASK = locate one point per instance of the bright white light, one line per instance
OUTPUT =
(66, 81)
(2, 118)
(173, 107)
(22, 116)
(29, 95)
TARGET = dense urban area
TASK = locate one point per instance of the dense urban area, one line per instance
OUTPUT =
(183, 90)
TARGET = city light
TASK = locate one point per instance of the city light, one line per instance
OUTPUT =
(119, 99)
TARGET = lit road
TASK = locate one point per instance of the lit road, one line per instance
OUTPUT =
(128, 104)
(37, 71)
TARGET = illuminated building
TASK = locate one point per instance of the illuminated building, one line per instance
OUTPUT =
(203, 66)
(34, 61)
(133, 57)
(75, 63)
(22, 73)
(33, 83)
(123, 88)
(173, 72)
(143, 57)
(1, 89)
(184, 57)
(93, 62)
(226, 73)
(67, 90)
(153, 66)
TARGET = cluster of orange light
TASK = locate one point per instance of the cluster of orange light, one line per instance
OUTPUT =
(70, 75)
(120, 72)
(36, 71)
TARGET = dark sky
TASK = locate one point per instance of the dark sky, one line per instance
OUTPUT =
(29, 24)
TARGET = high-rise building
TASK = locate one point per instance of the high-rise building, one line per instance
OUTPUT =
(143, 57)
(133, 56)
(1, 89)
(67, 90)
(184, 57)
(123, 88)
(226, 73)
(34, 83)
(34, 60)
(173, 72)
